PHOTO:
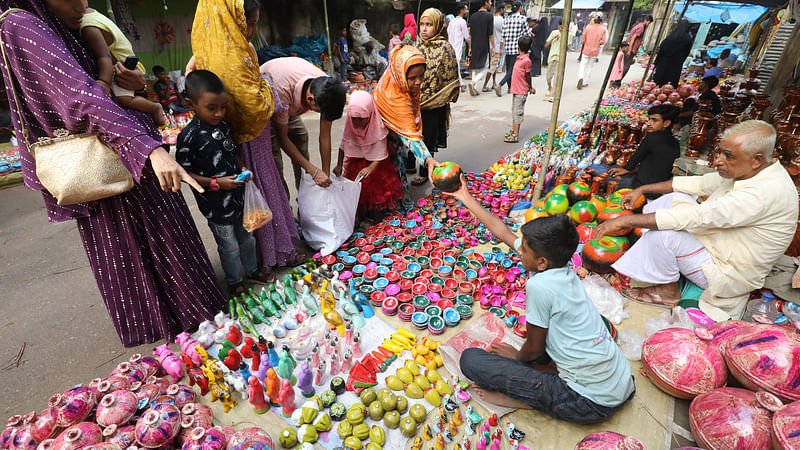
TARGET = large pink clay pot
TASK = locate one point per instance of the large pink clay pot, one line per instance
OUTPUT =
(609, 440)
(116, 408)
(766, 357)
(194, 415)
(250, 434)
(23, 439)
(12, 425)
(182, 394)
(72, 405)
(44, 425)
(161, 382)
(786, 427)
(134, 371)
(681, 364)
(124, 436)
(145, 393)
(732, 418)
(146, 363)
(80, 435)
(158, 425)
(724, 331)
(205, 439)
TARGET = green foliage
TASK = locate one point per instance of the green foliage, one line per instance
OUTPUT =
(643, 4)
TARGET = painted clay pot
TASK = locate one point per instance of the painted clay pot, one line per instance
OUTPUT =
(80, 435)
(724, 331)
(134, 371)
(598, 256)
(161, 382)
(44, 425)
(251, 434)
(560, 189)
(252, 445)
(158, 425)
(682, 364)
(732, 418)
(194, 415)
(534, 213)
(116, 408)
(447, 176)
(598, 202)
(46, 444)
(72, 405)
(556, 203)
(124, 436)
(182, 394)
(582, 212)
(12, 425)
(765, 357)
(104, 446)
(578, 191)
(22, 438)
(623, 242)
(229, 433)
(609, 440)
(205, 439)
(612, 212)
(147, 363)
(145, 393)
(586, 231)
(617, 196)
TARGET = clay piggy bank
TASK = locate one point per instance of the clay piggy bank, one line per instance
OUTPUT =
(82, 434)
(158, 426)
(72, 405)
(187, 344)
(170, 363)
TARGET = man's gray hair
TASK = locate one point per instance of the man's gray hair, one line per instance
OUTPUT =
(757, 137)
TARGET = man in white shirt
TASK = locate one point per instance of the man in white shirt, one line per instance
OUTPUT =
(725, 245)
(457, 33)
(496, 62)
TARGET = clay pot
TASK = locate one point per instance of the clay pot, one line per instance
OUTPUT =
(763, 357)
(72, 405)
(609, 440)
(12, 425)
(80, 435)
(114, 383)
(683, 364)
(251, 445)
(250, 434)
(447, 176)
(103, 446)
(158, 425)
(724, 331)
(667, 89)
(598, 256)
(586, 231)
(728, 418)
(147, 363)
(46, 444)
(124, 436)
(127, 369)
(145, 392)
(578, 191)
(44, 425)
(116, 408)
(22, 438)
(182, 394)
(612, 212)
(161, 382)
(205, 439)
(786, 427)
(202, 414)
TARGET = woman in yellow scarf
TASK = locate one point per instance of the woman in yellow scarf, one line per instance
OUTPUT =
(221, 33)
(397, 98)
(440, 85)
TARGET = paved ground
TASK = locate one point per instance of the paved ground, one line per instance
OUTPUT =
(51, 306)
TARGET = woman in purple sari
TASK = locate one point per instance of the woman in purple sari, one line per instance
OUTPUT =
(147, 257)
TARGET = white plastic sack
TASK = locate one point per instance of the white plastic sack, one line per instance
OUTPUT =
(606, 299)
(327, 215)
(677, 319)
(631, 344)
(360, 35)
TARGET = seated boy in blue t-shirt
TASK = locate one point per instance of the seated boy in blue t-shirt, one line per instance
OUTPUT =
(587, 377)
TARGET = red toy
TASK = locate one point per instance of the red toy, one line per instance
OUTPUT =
(233, 359)
(493, 420)
(234, 335)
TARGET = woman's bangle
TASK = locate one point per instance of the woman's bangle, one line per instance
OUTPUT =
(314, 177)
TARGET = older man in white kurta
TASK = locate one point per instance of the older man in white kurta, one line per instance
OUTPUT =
(728, 243)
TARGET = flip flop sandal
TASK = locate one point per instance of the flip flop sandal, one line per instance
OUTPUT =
(260, 277)
(511, 139)
(419, 181)
(509, 134)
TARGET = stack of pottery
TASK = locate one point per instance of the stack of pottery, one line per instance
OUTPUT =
(733, 418)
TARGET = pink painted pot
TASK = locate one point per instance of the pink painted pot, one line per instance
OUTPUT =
(724, 331)
(786, 427)
(251, 434)
(44, 425)
(158, 425)
(732, 418)
(127, 369)
(116, 408)
(72, 405)
(124, 436)
(609, 440)
(145, 392)
(12, 426)
(766, 357)
(103, 446)
(147, 363)
(681, 364)
(205, 439)
(80, 435)
(22, 438)
(182, 394)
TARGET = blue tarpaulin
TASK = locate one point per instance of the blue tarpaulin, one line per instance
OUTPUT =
(721, 12)
(580, 4)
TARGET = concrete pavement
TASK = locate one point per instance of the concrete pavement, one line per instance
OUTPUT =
(51, 304)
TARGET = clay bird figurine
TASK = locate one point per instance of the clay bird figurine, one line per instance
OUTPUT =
(439, 444)
(514, 434)
(417, 444)
(426, 432)
(472, 416)
(448, 403)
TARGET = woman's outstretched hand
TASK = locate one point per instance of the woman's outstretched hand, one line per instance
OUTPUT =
(170, 174)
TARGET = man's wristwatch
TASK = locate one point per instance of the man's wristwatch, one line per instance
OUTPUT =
(214, 186)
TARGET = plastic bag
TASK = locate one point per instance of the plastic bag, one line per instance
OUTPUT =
(327, 215)
(256, 210)
(606, 299)
(677, 319)
(631, 342)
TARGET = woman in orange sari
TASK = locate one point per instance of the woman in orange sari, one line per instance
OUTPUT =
(397, 98)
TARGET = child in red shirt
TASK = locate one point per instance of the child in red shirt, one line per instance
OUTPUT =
(520, 87)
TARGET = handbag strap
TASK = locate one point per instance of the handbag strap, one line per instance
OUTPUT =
(10, 76)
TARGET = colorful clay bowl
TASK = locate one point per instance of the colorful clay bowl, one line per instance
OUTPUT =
(377, 298)
(421, 302)
(445, 271)
(765, 357)
(436, 325)
(731, 418)
(582, 212)
(598, 256)
(451, 284)
(404, 297)
(415, 267)
(578, 191)
(390, 305)
(380, 284)
(682, 364)
(612, 212)
(359, 269)
(437, 280)
(623, 242)
(366, 289)
(619, 194)
(464, 299)
(406, 285)
(419, 319)
(556, 204)
(433, 311)
(392, 289)
(464, 311)
(609, 440)
(451, 317)
(472, 274)
(434, 287)
(405, 311)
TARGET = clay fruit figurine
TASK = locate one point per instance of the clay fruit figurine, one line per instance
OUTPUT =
(447, 176)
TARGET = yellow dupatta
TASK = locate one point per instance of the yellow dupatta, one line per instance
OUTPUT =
(219, 45)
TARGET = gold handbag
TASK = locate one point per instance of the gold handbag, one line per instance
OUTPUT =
(74, 168)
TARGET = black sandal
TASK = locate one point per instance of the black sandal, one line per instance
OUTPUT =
(259, 276)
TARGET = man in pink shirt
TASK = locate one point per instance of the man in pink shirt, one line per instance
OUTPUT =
(593, 37)
(302, 87)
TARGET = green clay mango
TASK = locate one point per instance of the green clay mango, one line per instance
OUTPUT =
(442, 388)
(408, 426)
(412, 366)
(377, 435)
(433, 397)
(288, 437)
(373, 446)
(376, 410)
(405, 375)
(432, 375)
(382, 392)
(402, 404)
(389, 402)
(368, 396)
(355, 415)
(421, 381)
(344, 429)
(394, 383)
(361, 431)
(413, 390)
(418, 413)
(391, 419)
(353, 442)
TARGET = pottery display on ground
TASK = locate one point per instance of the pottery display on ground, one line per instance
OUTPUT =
(158, 425)
(609, 440)
(732, 418)
(82, 434)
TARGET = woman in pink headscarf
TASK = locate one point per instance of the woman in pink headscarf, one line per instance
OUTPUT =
(409, 33)
(364, 154)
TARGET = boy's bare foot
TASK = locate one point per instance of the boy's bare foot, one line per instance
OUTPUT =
(499, 399)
